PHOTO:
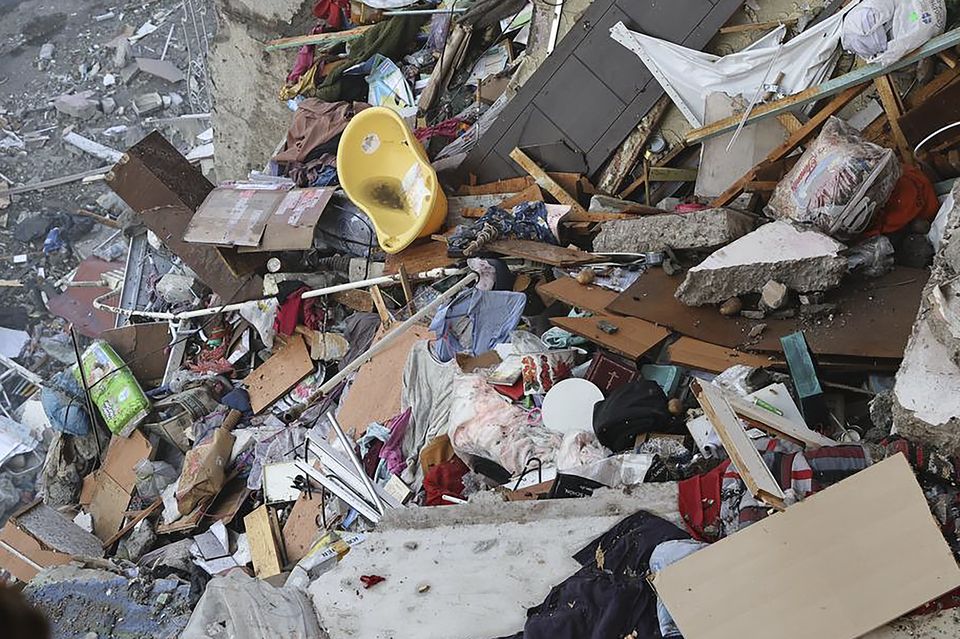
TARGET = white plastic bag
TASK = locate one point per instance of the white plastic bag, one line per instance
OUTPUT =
(884, 31)
(839, 184)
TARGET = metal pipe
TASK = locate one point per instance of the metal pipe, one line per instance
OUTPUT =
(382, 345)
(348, 444)
(329, 290)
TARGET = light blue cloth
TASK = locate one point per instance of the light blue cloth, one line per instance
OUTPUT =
(483, 319)
(662, 556)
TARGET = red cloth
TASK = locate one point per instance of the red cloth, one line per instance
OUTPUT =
(290, 312)
(446, 129)
(331, 12)
(303, 62)
(699, 503)
(444, 479)
(912, 197)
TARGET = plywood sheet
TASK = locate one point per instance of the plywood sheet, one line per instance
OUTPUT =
(839, 564)
(874, 319)
(23, 556)
(571, 292)
(633, 338)
(695, 353)
(375, 393)
(276, 376)
(260, 526)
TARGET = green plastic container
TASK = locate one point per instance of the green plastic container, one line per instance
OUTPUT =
(113, 388)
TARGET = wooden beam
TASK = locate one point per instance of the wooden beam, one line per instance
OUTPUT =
(322, 40)
(407, 289)
(893, 108)
(795, 140)
(377, 295)
(790, 122)
(545, 182)
(826, 89)
(753, 471)
(665, 160)
(671, 174)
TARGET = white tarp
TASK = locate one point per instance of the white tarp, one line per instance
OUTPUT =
(689, 76)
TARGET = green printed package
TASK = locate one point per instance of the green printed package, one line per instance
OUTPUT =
(119, 397)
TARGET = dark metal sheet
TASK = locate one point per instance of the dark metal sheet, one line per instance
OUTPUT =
(874, 319)
(76, 304)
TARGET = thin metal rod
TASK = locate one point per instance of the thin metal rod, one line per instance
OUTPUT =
(357, 463)
(86, 392)
(382, 345)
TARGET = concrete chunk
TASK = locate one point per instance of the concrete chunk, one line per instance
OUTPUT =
(704, 229)
(803, 260)
(77, 105)
(774, 295)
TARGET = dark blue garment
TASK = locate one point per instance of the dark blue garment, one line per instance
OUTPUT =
(65, 405)
(526, 221)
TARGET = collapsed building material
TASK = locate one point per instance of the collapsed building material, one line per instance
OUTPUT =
(38, 537)
(820, 589)
(705, 229)
(493, 542)
(804, 260)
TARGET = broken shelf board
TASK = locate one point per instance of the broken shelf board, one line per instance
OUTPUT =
(418, 258)
(375, 393)
(572, 293)
(741, 449)
(275, 377)
(301, 528)
(697, 354)
(634, 338)
(261, 525)
(813, 570)
(828, 88)
(541, 252)
(874, 318)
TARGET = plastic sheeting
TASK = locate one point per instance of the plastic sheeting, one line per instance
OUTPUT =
(689, 76)
(241, 607)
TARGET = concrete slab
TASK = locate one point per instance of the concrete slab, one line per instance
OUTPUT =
(485, 563)
(804, 260)
(704, 229)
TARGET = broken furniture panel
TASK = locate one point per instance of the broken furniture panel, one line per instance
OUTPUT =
(263, 535)
(627, 336)
(589, 72)
(275, 377)
(813, 570)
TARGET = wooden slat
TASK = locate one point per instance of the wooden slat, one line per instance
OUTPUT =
(671, 174)
(813, 571)
(634, 338)
(913, 100)
(753, 471)
(826, 89)
(894, 110)
(546, 182)
(321, 40)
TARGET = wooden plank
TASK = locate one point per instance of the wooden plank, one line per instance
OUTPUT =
(407, 289)
(540, 252)
(775, 425)
(263, 544)
(753, 471)
(633, 339)
(545, 182)
(146, 512)
(321, 40)
(670, 156)
(671, 174)
(700, 355)
(812, 571)
(796, 139)
(893, 107)
(790, 122)
(386, 319)
(826, 89)
(511, 185)
(572, 293)
(275, 377)
(59, 181)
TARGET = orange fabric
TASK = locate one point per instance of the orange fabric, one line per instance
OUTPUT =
(912, 197)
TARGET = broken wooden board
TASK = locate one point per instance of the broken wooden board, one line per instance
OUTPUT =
(275, 377)
(108, 506)
(700, 355)
(572, 293)
(302, 528)
(874, 316)
(753, 471)
(813, 571)
(375, 393)
(541, 252)
(775, 425)
(322, 41)
(261, 526)
(142, 347)
(633, 339)
(418, 258)
(546, 182)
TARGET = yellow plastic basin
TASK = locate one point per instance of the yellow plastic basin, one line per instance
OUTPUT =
(385, 171)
